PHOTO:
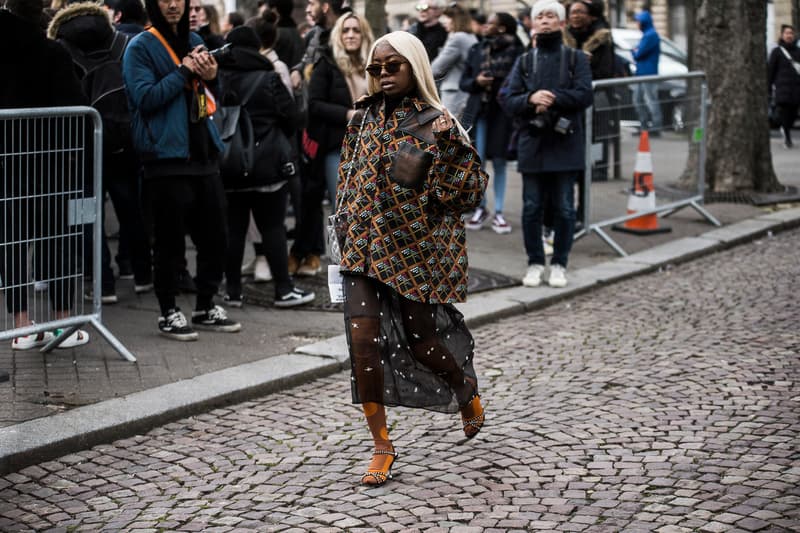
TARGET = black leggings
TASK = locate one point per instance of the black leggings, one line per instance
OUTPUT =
(363, 298)
(268, 210)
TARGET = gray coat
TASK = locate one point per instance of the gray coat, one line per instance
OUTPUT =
(447, 69)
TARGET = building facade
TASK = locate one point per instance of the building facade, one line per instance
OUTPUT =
(670, 16)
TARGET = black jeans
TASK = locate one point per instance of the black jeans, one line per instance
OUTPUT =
(122, 180)
(268, 210)
(193, 205)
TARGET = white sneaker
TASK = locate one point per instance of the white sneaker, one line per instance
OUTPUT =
(557, 277)
(34, 340)
(478, 218)
(78, 338)
(499, 224)
(261, 271)
(533, 276)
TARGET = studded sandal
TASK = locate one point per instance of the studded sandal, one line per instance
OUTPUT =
(375, 477)
(473, 416)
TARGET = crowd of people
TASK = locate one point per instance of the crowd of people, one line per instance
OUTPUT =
(396, 133)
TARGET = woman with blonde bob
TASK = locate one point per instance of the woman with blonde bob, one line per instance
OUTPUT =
(408, 174)
(337, 81)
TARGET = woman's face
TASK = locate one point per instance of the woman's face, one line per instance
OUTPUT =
(392, 70)
(351, 35)
(493, 26)
(446, 22)
(787, 35)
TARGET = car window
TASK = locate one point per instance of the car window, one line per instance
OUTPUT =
(670, 48)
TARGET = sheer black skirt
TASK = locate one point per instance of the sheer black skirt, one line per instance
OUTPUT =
(406, 353)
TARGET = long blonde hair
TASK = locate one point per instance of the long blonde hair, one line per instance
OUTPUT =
(347, 63)
(412, 49)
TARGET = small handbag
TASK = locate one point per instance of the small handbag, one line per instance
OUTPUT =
(338, 220)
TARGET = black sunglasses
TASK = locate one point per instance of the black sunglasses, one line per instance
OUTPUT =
(391, 67)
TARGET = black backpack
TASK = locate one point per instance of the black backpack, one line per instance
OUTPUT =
(236, 131)
(101, 77)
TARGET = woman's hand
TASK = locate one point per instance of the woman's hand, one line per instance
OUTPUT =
(443, 123)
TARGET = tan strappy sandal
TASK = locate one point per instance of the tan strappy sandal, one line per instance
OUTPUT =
(375, 477)
(473, 416)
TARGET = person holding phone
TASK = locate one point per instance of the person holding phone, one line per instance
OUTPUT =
(170, 78)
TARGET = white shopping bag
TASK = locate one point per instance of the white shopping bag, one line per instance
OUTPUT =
(335, 284)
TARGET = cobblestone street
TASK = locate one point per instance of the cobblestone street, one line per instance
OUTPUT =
(668, 402)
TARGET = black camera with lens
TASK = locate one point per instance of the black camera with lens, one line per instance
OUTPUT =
(550, 120)
(221, 53)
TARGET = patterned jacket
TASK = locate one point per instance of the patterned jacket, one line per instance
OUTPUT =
(404, 200)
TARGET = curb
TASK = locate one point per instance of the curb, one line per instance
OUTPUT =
(46, 438)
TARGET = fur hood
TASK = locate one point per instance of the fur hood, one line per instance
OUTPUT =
(597, 39)
(84, 24)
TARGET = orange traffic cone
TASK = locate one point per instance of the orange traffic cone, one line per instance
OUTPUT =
(643, 194)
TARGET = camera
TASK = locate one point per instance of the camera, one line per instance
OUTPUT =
(221, 53)
(551, 120)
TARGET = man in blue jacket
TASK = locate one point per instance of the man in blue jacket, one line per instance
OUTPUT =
(168, 74)
(548, 88)
(646, 55)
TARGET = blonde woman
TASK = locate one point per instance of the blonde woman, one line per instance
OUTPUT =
(337, 81)
(408, 174)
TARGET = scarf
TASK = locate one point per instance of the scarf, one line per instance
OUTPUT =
(494, 60)
(549, 40)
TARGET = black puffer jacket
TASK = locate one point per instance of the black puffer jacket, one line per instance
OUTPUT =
(43, 75)
(329, 101)
(783, 76)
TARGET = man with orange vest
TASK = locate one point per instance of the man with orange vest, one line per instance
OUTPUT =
(169, 77)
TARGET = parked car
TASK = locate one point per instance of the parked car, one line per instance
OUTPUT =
(672, 61)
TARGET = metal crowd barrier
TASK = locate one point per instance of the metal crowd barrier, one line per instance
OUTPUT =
(50, 195)
(683, 101)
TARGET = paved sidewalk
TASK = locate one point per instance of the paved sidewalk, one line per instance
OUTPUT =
(667, 403)
(71, 399)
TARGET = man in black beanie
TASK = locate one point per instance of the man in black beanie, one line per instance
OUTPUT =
(169, 76)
